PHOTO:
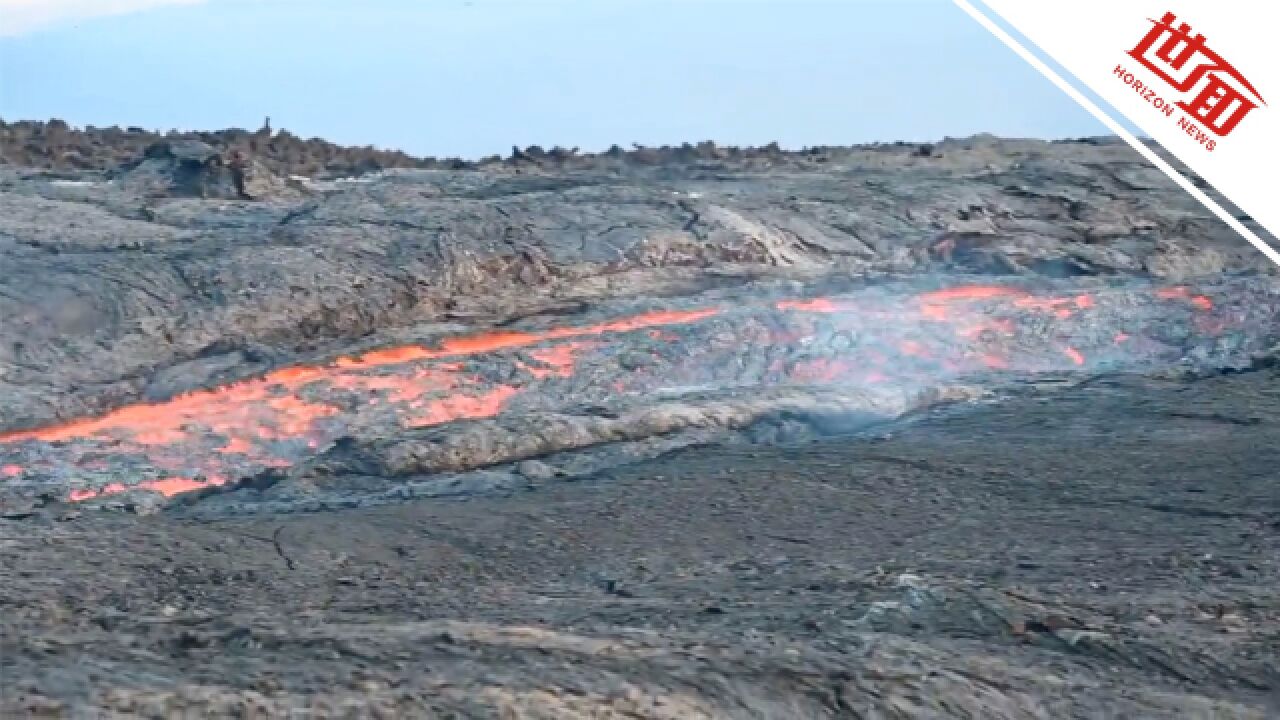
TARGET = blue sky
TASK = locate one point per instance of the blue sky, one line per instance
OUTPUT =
(474, 77)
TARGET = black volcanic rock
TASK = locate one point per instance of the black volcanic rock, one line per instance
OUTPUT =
(192, 168)
(56, 146)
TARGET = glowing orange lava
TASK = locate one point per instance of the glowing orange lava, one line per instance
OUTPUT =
(938, 304)
(995, 362)
(1183, 293)
(165, 486)
(464, 407)
(820, 370)
(558, 359)
(283, 405)
(968, 292)
(507, 340)
(911, 347)
(226, 409)
(818, 305)
(207, 437)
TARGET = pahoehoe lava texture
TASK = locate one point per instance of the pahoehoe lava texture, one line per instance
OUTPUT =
(112, 294)
(1051, 374)
(881, 352)
(1109, 550)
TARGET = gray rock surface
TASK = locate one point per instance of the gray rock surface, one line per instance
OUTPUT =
(559, 520)
(999, 561)
(108, 282)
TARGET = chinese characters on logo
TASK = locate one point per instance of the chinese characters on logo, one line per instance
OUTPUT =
(1214, 94)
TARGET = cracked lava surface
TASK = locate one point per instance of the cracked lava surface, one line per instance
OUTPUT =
(869, 339)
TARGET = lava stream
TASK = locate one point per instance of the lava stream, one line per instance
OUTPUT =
(210, 436)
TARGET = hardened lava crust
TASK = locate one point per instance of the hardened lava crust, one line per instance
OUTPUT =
(982, 428)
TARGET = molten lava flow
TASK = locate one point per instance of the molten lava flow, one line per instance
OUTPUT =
(463, 407)
(223, 408)
(968, 292)
(820, 370)
(495, 341)
(249, 425)
(819, 305)
(559, 360)
(1183, 293)
(912, 347)
(995, 362)
(165, 486)
(209, 437)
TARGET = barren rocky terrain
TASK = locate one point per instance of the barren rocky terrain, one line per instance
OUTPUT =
(983, 428)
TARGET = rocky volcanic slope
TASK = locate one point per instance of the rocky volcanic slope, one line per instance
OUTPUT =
(1106, 551)
(55, 146)
(110, 282)
(550, 347)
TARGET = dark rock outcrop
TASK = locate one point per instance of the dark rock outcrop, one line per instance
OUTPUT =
(55, 146)
(191, 168)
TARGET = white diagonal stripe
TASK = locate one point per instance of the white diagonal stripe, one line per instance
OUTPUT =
(1118, 129)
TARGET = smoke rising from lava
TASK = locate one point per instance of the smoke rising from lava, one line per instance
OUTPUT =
(870, 338)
